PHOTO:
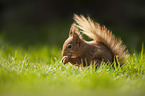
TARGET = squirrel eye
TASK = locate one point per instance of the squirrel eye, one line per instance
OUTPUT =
(69, 46)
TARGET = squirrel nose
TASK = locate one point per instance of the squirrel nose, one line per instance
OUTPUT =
(63, 53)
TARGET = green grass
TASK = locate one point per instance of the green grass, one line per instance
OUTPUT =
(37, 71)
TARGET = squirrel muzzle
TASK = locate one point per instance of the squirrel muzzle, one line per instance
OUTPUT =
(66, 54)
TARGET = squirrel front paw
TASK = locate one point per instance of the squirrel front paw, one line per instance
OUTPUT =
(64, 60)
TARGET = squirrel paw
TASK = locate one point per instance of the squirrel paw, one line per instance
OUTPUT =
(64, 60)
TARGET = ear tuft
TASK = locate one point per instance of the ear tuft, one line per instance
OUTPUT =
(73, 29)
(74, 32)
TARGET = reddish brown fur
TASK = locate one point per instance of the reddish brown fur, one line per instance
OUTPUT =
(78, 51)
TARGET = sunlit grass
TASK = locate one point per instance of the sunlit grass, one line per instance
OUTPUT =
(38, 70)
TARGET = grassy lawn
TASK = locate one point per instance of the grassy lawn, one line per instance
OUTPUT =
(37, 71)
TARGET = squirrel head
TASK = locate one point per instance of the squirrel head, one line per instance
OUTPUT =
(71, 46)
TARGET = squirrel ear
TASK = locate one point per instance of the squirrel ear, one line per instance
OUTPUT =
(73, 29)
(74, 33)
(76, 38)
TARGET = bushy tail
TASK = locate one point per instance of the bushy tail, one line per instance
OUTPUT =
(98, 33)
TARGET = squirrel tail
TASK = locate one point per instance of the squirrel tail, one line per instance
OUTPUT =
(101, 34)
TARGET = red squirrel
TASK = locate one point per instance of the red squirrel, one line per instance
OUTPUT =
(104, 47)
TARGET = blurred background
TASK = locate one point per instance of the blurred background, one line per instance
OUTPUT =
(47, 22)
